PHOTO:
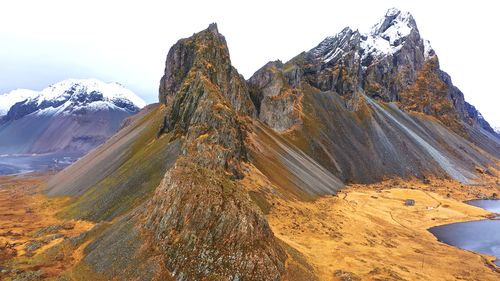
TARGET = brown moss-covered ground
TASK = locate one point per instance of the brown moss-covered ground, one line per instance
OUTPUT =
(28, 228)
(363, 233)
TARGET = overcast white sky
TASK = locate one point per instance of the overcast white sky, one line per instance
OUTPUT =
(42, 42)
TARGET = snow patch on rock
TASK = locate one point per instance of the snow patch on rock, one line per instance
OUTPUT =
(385, 38)
(7, 100)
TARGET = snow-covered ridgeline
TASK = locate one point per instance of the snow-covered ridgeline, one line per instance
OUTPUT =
(385, 38)
(73, 95)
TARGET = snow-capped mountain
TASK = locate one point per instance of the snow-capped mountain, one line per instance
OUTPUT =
(384, 63)
(73, 96)
(71, 115)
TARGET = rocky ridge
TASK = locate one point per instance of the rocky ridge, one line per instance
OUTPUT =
(203, 221)
(384, 64)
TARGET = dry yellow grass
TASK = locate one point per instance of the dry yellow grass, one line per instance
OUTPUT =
(372, 234)
(367, 232)
(364, 232)
(24, 210)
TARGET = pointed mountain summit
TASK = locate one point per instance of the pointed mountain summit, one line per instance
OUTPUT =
(395, 24)
(205, 56)
(197, 214)
(209, 102)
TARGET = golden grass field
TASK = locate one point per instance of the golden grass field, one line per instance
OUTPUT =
(365, 232)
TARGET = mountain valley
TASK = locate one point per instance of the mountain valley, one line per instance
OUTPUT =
(331, 166)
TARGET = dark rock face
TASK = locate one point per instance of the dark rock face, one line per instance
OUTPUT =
(275, 98)
(475, 117)
(208, 228)
(206, 52)
(202, 220)
(20, 110)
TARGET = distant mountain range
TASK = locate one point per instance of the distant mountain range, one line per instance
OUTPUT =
(184, 187)
(72, 116)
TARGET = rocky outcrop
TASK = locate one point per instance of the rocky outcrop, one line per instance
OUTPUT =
(200, 217)
(431, 95)
(205, 52)
(273, 93)
(208, 228)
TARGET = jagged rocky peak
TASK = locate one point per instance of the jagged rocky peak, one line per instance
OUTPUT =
(386, 38)
(273, 91)
(384, 63)
(207, 103)
(213, 28)
(204, 95)
(395, 25)
(205, 54)
(381, 62)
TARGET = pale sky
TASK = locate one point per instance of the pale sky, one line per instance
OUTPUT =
(42, 42)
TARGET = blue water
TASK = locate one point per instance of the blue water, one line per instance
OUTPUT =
(21, 164)
(490, 205)
(478, 236)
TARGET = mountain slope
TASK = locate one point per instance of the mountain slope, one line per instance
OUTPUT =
(199, 195)
(182, 192)
(328, 102)
(391, 63)
(72, 115)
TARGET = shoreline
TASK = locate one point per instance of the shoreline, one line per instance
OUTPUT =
(491, 216)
